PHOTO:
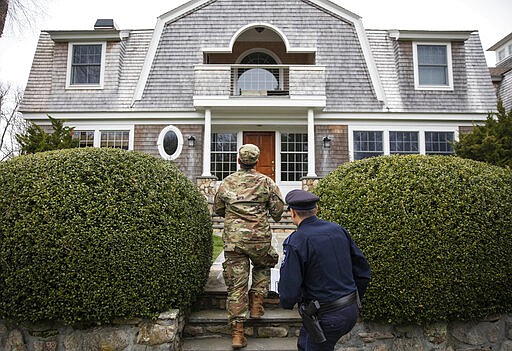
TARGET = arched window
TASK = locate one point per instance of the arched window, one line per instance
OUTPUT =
(170, 143)
(258, 79)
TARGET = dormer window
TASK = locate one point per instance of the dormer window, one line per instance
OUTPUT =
(432, 66)
(85, 65)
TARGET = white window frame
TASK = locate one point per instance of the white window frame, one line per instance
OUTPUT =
(98, 128)
(160, 143)
(399, 128)
(417, 85)
(501, 54)
(69, 66)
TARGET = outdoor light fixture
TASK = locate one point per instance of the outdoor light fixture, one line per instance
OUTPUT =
(191, 141)
(327, 142)
(259, 29)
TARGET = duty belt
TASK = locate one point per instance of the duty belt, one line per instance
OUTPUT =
(337, 304)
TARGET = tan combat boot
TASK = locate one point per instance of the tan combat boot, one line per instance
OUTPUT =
(256, 305)
(237, 333)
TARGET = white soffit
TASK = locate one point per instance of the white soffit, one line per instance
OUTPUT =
(430, 35)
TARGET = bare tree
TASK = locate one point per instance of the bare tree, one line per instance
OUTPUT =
(21, 13)
(11, 121)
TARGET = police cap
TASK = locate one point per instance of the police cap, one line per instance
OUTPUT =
(248, 154)
(301, 200)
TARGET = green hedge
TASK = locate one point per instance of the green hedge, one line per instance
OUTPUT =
(88, 235)
(436, 230)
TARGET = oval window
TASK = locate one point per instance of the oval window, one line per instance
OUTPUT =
(170, 143)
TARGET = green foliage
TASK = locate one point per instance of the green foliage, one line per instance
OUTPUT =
(37, 140)
(88, 235)
(218, 247)
(491, 142)
(436, 230)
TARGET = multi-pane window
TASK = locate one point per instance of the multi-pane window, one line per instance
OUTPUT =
(368, 144)
(294, 156)
(501, 54)
(432, 64)
(439, 143)
(85, 138)
(403, 143)
(86, 64)
(223, 154)
(257, 79)
(115, 138)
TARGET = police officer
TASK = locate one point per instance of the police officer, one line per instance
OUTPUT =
(322, 263)
(246, 198)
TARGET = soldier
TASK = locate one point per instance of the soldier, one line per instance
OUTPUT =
(246, 198)
(324, 271)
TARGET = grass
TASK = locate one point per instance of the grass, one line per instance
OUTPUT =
(218, 246)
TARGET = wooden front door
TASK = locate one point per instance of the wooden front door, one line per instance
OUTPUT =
(266, 142)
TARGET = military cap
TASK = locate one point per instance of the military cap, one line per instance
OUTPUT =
(301, 200)
(248, 154)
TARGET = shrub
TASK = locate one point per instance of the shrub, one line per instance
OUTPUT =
(88, 235)
(436, 230)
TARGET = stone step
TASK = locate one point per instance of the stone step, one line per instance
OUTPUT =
(275, 323)
(223, 343)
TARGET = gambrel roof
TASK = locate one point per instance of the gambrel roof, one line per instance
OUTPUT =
(153, 70)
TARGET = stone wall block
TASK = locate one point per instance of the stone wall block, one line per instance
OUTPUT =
(272, 332)
(506, 346)
(155, 334)
(436, 333)
(15, 341)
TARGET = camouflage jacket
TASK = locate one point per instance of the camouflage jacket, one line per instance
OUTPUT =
(246, 198)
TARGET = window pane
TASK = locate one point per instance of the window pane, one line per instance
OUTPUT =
(439, 143)
(368, 144)
(403, 143)
(294, 156)
(432, 64)
(86, 64)
(170, 143)
(223, 154)
(85, 138)
(115, 138)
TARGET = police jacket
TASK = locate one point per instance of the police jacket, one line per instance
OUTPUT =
(322, 263)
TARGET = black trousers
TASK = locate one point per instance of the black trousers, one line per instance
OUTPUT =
(335, 324)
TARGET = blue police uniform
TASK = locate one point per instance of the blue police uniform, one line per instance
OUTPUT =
(322, 263)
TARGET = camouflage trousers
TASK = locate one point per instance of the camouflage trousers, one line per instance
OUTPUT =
(237, 265)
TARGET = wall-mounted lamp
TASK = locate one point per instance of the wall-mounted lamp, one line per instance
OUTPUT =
(191, 141)
(327, 142)
(259, 29)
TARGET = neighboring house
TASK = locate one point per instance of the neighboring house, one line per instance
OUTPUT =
(302, 79)
(502, 73)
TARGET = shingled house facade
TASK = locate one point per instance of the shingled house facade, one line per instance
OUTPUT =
(302, 79)
(502, 74)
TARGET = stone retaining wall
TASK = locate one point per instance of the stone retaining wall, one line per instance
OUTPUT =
(490, 334)
(161, 334)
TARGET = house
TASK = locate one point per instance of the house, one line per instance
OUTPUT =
(303, 79)
(502, 73)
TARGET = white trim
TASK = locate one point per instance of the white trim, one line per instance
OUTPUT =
(371, 64)
(275, 29)
(207, 137)
(417, 85)
(70, 86)
(311, 144)
(160, 143)
(430, 35)
(421, 129)
(266, 102)
(89, 35)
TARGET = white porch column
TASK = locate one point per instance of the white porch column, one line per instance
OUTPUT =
(207, 137)
(311, 144)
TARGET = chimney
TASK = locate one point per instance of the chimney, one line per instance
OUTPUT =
(105, 24)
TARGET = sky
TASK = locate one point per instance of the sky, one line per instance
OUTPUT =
(492, 19)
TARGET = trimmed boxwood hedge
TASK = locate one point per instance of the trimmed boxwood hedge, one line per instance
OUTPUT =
(89, 235)
(437, 232)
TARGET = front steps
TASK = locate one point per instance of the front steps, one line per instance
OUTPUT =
(207, 327)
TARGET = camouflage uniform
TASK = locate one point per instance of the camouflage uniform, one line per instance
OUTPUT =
(245, 199)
